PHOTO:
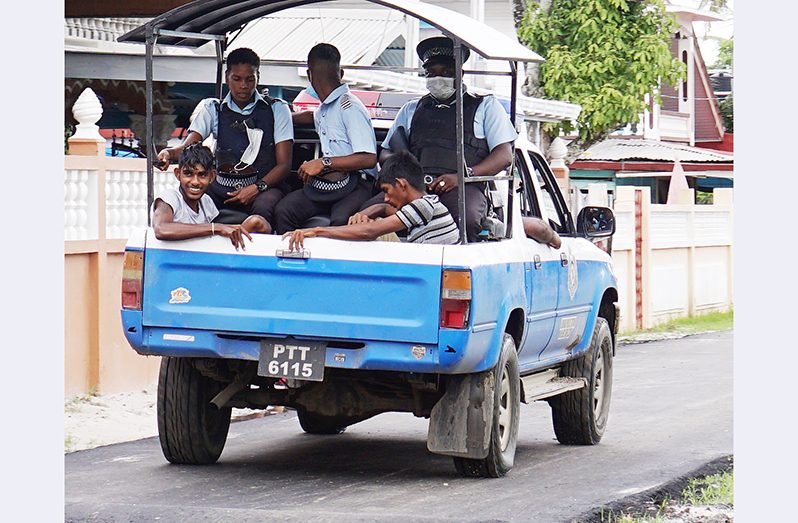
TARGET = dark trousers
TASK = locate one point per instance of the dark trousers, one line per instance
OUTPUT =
(296, 208)
(476, 207)
(264, 203)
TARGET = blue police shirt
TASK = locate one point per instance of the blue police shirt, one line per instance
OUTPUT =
(206, 122)
(490, 122)
(344, 126)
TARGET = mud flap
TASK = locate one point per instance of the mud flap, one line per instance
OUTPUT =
(460, 423)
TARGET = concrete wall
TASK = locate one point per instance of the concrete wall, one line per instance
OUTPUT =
(672, 260)
(105, 198)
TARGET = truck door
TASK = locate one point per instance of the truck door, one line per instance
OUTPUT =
(573, 301)
(541, 271)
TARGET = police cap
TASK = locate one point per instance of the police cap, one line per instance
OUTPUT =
(439, 47)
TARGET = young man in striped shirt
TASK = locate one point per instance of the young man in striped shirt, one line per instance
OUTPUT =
(407, 207)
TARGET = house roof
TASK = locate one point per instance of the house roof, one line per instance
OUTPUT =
(617, 149)
(360, 35)
(708, 121)
(219, 17)
(693, 15)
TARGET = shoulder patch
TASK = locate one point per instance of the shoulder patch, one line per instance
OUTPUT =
(345, 101)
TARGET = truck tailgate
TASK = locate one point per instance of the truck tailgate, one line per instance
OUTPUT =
(345, 290)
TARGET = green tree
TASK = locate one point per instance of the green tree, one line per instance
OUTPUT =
(725, 54)
(727, 113)
(605, 55)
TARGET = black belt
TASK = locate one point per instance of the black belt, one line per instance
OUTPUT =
(237, 182)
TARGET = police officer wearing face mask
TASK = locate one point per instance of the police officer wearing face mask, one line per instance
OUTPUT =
(429, 125)
(254, 143)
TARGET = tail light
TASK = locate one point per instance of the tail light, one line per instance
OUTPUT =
(455, 298)
(132, 274)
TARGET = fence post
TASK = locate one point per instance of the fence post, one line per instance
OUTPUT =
(557, 153)
(87, 140)
(642, 258)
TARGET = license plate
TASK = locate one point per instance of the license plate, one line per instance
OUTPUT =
(302, 360)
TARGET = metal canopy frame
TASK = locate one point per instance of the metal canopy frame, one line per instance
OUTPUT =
(201, 21)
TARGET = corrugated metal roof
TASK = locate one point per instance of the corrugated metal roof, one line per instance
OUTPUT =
(615, 149)
(218, 17)
(359, 34)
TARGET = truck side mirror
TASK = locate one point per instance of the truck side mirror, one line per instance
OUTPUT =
(595, 222)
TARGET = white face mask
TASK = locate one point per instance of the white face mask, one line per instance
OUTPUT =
(441, 87)
(251, 152)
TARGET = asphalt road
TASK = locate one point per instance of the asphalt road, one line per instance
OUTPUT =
(671, 412)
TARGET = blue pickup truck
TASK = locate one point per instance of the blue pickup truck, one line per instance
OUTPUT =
(343, 331)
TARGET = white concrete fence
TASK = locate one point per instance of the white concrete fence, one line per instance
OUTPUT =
(672, 260)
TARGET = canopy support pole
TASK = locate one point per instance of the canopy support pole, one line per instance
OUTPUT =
(514, 90)
(458, 87)
(150, 139)
(221, 46)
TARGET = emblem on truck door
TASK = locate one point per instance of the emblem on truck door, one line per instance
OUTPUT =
(418, 351)
(180, 295)
(573, 275)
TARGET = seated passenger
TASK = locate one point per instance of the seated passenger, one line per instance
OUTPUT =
(540, 231)
(340, 181)
(254, 142)
(426, 127)
(407, 207)
(187, 212)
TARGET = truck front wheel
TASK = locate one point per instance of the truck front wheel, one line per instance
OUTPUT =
(506, 415)
(191, 429)
(580, 416)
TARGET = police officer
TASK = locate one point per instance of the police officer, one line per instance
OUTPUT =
(254, 142)
(340, 181)
(428, 128)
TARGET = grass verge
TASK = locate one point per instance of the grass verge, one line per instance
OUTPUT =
(705, 494)
(714, 493)
(714, 321)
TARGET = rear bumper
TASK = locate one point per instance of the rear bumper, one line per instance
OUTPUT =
(457, 351)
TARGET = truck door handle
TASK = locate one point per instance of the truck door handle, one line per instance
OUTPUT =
(563, 259)
(538, 264)
(285, 253)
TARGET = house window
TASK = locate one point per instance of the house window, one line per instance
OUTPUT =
(684, 83)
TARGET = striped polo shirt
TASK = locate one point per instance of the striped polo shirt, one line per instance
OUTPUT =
(428, 221)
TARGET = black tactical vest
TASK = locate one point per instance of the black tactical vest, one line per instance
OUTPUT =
(433, 135)
(232, 138)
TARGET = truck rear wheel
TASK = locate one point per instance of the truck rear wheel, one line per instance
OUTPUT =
(191, 429)
(580, 416)
(506, 414)
(313, 423)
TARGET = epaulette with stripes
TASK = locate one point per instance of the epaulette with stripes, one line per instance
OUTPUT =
(345, 101)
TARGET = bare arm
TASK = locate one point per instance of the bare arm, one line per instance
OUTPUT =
(379, 210)
(351, 162)
(169, 154)
(541, 232)
(499, 158)
(359, 232)
(284, 152)
(168, 229)
(304, 118)
(354, 162)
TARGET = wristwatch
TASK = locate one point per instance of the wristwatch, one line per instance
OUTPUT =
(261, 185)
(326, 161)
(469, 171)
